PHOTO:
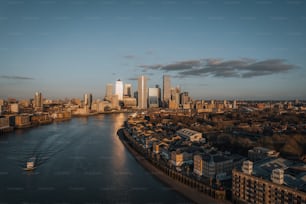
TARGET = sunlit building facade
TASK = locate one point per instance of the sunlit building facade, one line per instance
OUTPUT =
(38, 100)
(142, 92)
(109, 92)
(119, 89)
(127, 91)
(166, 89)
(153, 98)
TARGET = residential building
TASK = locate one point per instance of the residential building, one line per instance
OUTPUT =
(178, 158)
(190, 135)
(14, 108)
(273, 180)
(22, 120)
(258, 153)
(212, 166)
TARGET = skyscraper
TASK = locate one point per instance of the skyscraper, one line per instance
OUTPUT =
(109, 92)
(142, 92)
(153, 101)
(166, 89)
(119, 89)
(127, 90)
(38, 100)
(88, 100)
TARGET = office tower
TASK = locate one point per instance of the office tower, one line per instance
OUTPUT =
(115, 101)
(166, 89)
(175, 95)
(88, 100)
(142, 92)
(159, 95)
(38, 100)
(153, 99)
(184, 98)
(136, 96)
(109, 92)
(119, 89)
(127, 90)
(234, 104)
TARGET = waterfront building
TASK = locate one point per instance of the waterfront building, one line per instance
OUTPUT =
(178, 158)
(115, 102)
(4, 122)
(127, 91)
(166, 89)
(22, 121)
(129, 102)
(273, 180)
(190, 135)
(119, 89)
(142, 92)
(212, 166)
(153, 98)
(14, 108)
(109, 92)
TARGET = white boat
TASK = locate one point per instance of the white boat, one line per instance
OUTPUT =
(30, 164)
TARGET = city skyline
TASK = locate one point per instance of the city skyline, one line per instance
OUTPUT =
(212, 49)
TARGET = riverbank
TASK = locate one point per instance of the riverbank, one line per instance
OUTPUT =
(188, 192)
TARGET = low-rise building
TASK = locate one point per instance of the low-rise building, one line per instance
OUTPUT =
(211, 166)
(190, 135)
(178, 158)
(258, 153)
(273, 180)
(22, 121)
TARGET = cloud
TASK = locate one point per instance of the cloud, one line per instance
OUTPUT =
(16, 77)
(129, 56)
(241, 68)
(133, 79)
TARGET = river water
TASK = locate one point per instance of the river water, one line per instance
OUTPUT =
(78, 161)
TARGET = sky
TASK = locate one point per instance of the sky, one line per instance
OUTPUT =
(214, 49)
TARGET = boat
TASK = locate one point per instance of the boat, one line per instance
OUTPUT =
(30, 164)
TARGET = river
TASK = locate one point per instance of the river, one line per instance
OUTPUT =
(78, 161)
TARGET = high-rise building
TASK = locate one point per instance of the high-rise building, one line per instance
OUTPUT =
(142, 92)
(175, 95)
(119, 89)
(109, 92)
(88, 100)
(38, 100)
(127, 91)
(153, 99)
(234, 104)
(115, 102)
(184, 98)
(166, 89)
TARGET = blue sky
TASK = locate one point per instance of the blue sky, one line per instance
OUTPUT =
(213, 49)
